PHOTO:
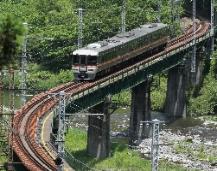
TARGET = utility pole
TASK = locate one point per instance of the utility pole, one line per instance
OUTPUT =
(80, 27)
(61, 130)
(177, 3)
(172, 17)
(193, 58)
(24, 67)
(123, 17)
(159, 11)
(212, 25)
(155, 124)
(155, 144)
(11, 99)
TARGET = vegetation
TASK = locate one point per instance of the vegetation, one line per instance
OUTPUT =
(11, 32)
(199, 152)
(206, 101)
(121, 158)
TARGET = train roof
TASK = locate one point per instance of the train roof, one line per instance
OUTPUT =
(94, 49)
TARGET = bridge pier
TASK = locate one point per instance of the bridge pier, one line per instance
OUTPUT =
(198, 76)
(98, 138)
(175, 104)
(140, 110)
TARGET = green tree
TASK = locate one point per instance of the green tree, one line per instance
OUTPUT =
(11, 31)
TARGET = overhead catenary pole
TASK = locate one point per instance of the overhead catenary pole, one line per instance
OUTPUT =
(155, 144)
(123, 16)
(61, 129)
(80, 27)
(155, 124)
(24, 67)
(177, 3)
(12, 100)
(159, 10)
(212, 25)
(193, 58)
(172, 17)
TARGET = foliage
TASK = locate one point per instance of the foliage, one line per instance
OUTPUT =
(43, 80)
(123, 98)
(158, 92)
(11, 31)
(206, 102)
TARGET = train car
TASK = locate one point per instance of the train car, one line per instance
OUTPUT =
(99, 58)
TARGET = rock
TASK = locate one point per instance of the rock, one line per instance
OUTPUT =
(214, 163)
(189, 139)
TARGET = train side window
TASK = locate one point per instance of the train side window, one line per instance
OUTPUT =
(91, 60)
(75, 59)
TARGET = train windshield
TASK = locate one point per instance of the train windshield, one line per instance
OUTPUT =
(75, 60)
(91, 60)
(82, 60)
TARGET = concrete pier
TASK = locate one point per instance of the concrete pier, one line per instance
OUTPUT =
(98, 139)
(175, 105)
(140, 110)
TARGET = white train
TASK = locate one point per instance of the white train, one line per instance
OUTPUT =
(100, 58)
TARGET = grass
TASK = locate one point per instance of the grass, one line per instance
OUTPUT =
(3, 159)
(122, 158)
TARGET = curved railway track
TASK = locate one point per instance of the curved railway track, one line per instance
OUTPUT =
(32, 154)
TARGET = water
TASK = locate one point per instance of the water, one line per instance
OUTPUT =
(13, 99)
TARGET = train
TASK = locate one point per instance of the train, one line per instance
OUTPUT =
(106, 56)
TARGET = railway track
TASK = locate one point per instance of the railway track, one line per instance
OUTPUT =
(31, 153)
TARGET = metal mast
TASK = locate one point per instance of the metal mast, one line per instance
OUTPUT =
(23, 67)
(212, 25)
(61, 128)
(80, 27)
(155, 144)
(159, 10)
(172, 17)
(11, 133)
(193, 59)
(123, 17)
(155, 141)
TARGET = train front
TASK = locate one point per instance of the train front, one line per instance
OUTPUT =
(84, 64)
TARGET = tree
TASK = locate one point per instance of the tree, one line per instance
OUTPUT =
(10, 38)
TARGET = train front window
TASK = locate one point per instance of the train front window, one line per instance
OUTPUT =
(75, 60)
(83, 60)
(91, 60)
